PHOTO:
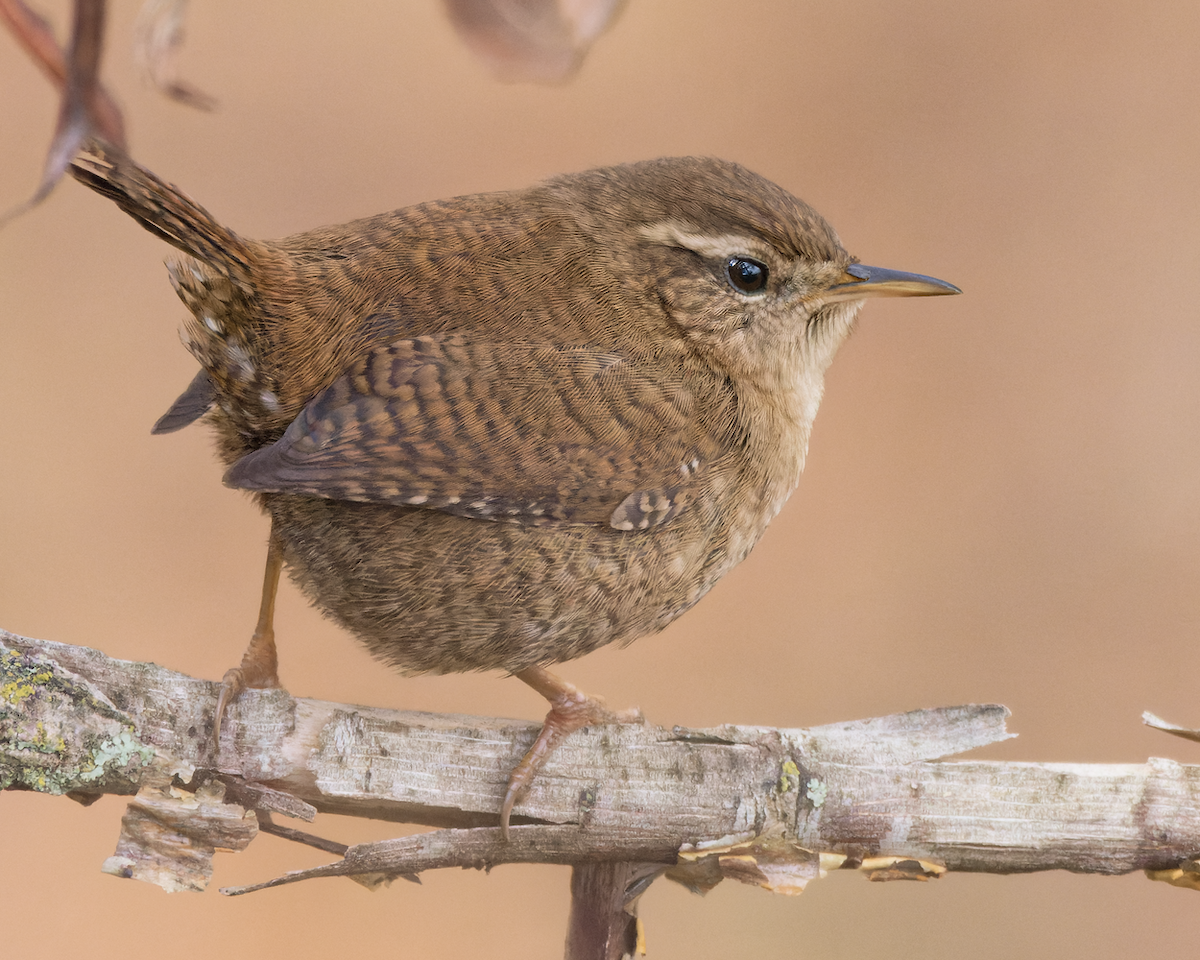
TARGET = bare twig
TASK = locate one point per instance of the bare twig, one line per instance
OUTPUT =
(35, 34)
(604, 924)
(1158, 723)
(86, 108)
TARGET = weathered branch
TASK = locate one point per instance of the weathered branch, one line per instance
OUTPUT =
(772, 807)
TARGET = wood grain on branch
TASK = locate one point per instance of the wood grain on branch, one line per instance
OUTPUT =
(767, 806)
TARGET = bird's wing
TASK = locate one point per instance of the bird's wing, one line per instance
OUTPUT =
(532, 433)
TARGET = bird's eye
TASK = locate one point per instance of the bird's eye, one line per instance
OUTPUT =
(746, 275)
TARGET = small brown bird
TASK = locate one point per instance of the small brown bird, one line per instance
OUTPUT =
(500, 431)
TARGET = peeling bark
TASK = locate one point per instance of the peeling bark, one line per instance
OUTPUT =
(772, 807)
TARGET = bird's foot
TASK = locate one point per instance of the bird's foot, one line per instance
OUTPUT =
(259, 670)
(260, 663)
(570, 709)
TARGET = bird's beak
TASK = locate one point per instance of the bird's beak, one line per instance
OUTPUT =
(860, 281)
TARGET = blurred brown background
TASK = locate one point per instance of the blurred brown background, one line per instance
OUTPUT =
(1001, 502)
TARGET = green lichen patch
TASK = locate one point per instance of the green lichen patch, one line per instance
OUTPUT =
(57, 736)
(123, 755)
(816, 793)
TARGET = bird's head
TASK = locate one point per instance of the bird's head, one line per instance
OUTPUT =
(752, 278)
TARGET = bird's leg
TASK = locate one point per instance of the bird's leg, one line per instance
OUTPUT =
(570, 709)
(260, 663)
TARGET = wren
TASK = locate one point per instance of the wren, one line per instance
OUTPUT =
(500, 431)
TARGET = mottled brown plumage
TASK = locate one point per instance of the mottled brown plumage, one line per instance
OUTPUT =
(500, 431)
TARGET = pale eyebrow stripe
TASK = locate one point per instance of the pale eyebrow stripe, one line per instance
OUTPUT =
(676, 234)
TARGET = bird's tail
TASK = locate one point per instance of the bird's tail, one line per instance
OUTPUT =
(160, 207)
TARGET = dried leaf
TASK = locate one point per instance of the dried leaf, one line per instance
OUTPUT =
(537, 41)
(158, 38)
(773, 863)
(1186, 875)
(901, 868)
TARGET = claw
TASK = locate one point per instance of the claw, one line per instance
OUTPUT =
(570, 709)
(232, 684)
